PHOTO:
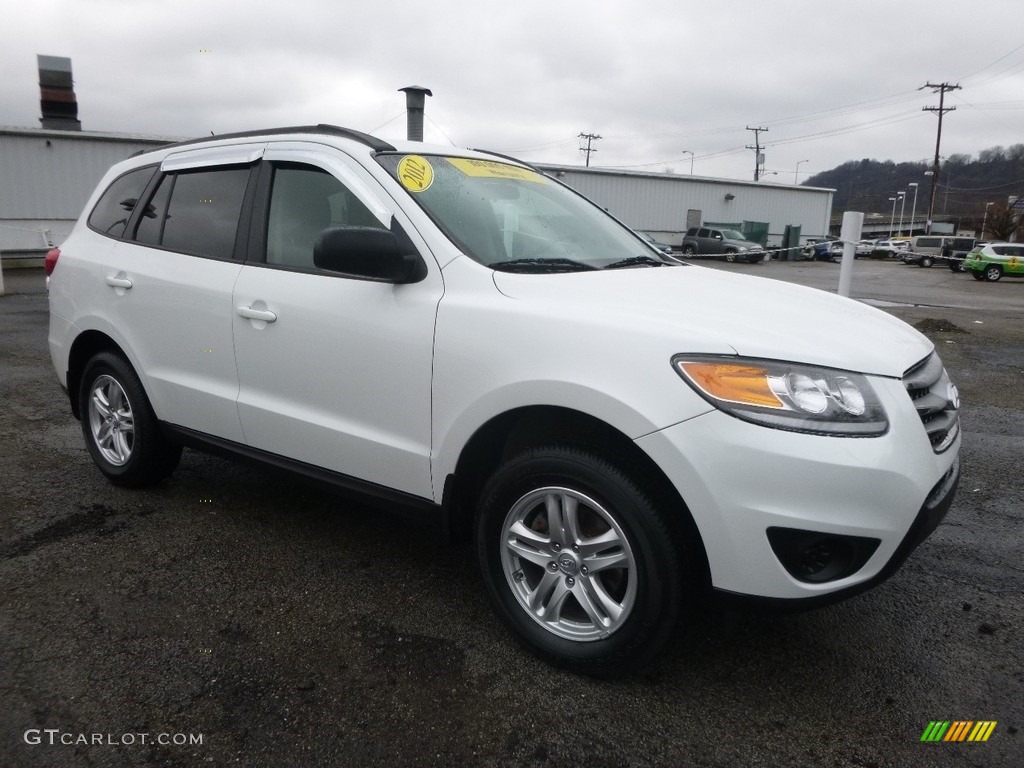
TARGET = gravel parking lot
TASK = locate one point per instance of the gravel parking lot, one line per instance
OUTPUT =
(235, 617)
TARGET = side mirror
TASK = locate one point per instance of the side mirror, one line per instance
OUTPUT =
(368, 253)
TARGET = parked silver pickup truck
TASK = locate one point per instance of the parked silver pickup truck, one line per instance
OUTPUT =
(703, 241)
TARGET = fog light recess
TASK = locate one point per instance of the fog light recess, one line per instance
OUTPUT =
(815, 557)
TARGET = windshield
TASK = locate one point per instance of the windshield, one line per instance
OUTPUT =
(732, 234)
(506, 216)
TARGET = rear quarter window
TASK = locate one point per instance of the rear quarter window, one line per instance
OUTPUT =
(111, 213)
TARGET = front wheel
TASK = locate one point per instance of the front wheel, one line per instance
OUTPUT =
(926, 261)
(578, 560)
(993, 272)
(120, 429)
(689, 250)
(730, 256)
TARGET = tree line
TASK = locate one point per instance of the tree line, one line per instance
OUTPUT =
(966, 188)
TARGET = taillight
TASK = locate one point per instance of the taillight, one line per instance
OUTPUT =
(51, 260)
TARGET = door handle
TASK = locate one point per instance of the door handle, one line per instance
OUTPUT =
(116, 281)
(257, 314)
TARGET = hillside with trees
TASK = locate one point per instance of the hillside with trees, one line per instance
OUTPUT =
(964, 186)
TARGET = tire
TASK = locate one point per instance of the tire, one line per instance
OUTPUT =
(602, 622)
(730, 256)
(993, 272)
(926, 261)
(689, 250)
(120, 429)
(977, 275)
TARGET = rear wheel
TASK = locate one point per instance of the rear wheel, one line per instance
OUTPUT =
(993, 272)
(578, 560)
(120, 429)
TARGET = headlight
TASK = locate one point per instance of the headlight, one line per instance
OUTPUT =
(741, 248)
(790, 396)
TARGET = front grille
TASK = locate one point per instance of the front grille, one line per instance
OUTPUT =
(936, 400)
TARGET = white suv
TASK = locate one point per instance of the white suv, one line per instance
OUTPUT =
(458, 332)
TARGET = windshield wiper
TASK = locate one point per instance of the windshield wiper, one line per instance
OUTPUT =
(634, 261)
(540, 265)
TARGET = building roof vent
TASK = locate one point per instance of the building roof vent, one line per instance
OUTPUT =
(57, 94)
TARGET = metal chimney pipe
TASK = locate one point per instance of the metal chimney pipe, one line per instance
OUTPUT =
(414, 100)
(57, 99)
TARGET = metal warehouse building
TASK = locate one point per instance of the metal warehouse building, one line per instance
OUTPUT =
(667, 205)
(46, 177)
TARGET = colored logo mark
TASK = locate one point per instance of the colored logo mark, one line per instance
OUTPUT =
(959, 730)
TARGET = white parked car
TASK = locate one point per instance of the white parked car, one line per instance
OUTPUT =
(895, 248)
(457, 332)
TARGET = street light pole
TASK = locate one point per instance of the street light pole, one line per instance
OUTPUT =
(903, 208)
(688, 152)
(892, 218)
(796, 173)
(913, 210)
(984, 222)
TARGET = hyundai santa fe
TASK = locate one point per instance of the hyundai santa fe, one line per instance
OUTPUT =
(454, 331)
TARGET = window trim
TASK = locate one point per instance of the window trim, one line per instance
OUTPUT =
(207, 157)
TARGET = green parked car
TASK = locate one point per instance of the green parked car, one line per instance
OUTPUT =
(990, 262)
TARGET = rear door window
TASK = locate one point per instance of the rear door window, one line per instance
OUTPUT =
(196, 212)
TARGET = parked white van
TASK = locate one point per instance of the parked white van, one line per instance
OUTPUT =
(926, 250)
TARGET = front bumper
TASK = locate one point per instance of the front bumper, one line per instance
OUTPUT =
(739, 480)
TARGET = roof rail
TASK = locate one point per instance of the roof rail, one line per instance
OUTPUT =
(378, 145)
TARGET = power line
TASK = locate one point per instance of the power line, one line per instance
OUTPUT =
(1000, 58)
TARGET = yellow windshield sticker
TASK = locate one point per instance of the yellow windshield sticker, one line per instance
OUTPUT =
(490, 169)
(415, 173)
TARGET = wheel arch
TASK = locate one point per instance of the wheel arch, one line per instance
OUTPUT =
(85, 347)
(509, 433)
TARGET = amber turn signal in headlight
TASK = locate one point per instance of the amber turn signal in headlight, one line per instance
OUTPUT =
(789, 396)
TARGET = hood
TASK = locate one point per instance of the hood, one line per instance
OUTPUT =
(748, 244)
(697, 309)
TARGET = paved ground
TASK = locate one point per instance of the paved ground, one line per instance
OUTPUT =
(287, 627)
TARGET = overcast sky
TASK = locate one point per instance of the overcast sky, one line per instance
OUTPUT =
(831, 81)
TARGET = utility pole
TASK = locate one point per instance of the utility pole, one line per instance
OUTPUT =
(587, 149)
(940, 110)
(758, 157)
